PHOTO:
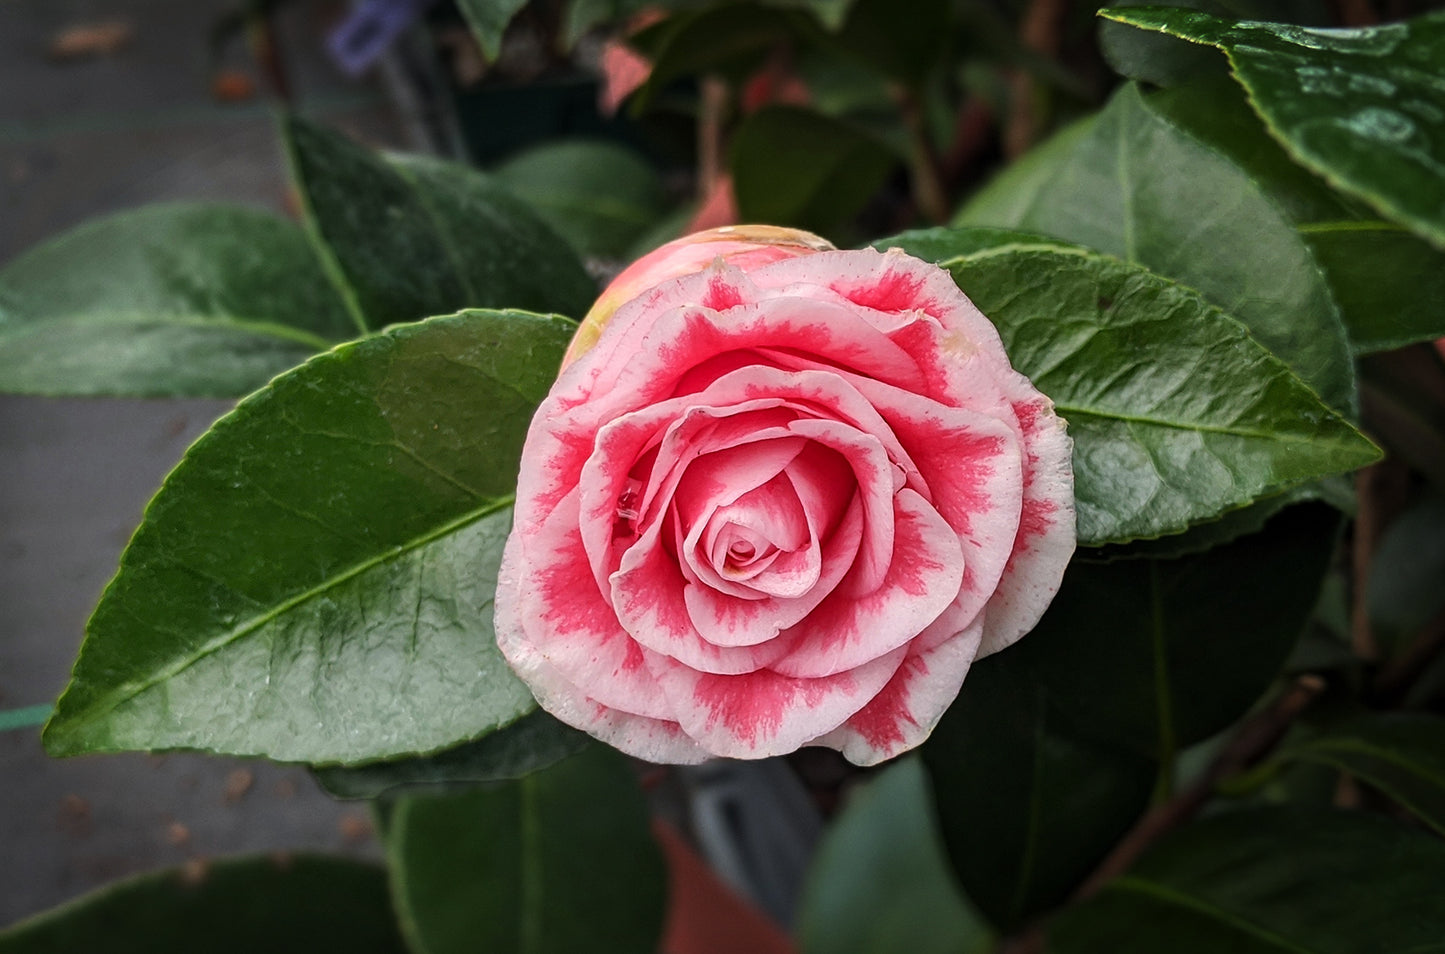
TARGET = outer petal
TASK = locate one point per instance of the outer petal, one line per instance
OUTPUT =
(1047, 534)
(548, 605)
(655, 740)
(908, 708)
(760, 714)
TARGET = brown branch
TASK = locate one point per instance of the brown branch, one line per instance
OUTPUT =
(1039, 31)
(1251, 743)
(1394, 680)
(924, 168)
(1380, 490)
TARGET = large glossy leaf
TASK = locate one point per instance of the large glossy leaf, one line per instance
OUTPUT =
(290, 905)
(880, 883)
(1389, 283)
(314, 580)
(793, 166)
(184, 300)
(600, 196)
(1361, 106)
(1402, 754)
(1027, 806)
(410, 237)
(1158, 654)
(1216, 112)
(532, 743)
(554, 863)
(1131, 184)
(488, 20)
(1307, 881)
(1177, 414)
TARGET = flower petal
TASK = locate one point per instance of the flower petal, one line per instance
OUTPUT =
(848, 629)
(759, 714)
(908, 708)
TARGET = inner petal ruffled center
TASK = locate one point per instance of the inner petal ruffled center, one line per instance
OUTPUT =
(762, 540)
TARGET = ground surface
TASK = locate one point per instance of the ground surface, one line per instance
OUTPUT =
(81, 137)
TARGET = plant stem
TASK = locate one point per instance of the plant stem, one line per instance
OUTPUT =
(924, 171)
(1250, 744)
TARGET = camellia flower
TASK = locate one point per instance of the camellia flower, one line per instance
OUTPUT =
(781, 495)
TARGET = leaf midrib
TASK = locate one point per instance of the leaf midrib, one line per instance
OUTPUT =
(108, 702)
(1283, 437)
(1163, 893)
(42, 325)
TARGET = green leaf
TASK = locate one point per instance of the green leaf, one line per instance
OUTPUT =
(561, 861)
(184, 300)
(1159, 654)
(532, 743)
(728, 39)
(831, 13)
(1133, 185)
(1390, 284)
(906, 48)
(488, 20)
(880, 882)
(1177, 414)
(600, 196)
(411, 236)
(293, 904)
(1404, 592)
(1217, 113)
(1307, 881)
(792, 166)
(314, 580)
(941, 243)
(1360, 106)
(1027, 806)
(1401, 754)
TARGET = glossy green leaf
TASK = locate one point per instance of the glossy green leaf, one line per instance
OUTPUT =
(1390, 284)
(284, 904)
(1404, 591)
(1400, 753)
(184, 300)
(488, 20)
(792, 166)
(1159, 654)
(1217, 112)
(1151, 58)
(1027, 806)
(880, 882)
(314, 580)
(532, 743)
(1362, 106)
(1131, 184)
(1265, 881)
(600, 196)
(411, 236)
(940, 244)
(561, 861)
(1177, 414)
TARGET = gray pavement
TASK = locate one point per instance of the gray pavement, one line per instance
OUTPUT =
(79, 138)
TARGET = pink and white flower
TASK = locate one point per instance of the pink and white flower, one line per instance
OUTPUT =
(781, 496)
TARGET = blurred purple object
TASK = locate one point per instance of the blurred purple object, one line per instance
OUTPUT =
(369, 30)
